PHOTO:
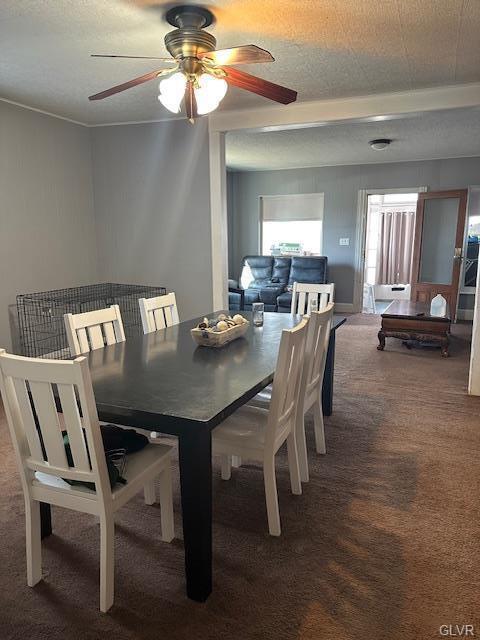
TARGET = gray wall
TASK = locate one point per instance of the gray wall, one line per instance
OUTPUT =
(47, 227)
(152, 207)
(340, 185)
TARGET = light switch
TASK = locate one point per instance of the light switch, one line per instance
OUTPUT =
(344, 242)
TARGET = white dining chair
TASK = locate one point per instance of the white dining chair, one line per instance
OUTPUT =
(36, 432)
(94, 329)
(310, 396)
(257, 434)
(312, 383)
(158, 313)
(303, 293)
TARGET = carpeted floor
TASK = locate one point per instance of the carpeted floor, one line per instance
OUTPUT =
(383, 543)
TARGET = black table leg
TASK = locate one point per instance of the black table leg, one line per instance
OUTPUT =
(195, 456)
(327, 389)
(45, 520)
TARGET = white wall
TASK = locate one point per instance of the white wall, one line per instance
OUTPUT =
(340, 184)
(152, 207)
(47, 228)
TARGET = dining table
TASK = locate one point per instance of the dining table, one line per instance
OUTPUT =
(164, 382)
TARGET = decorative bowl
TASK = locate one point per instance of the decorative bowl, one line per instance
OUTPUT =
(209, 338)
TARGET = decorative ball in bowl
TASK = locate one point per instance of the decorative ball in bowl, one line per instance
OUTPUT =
(220, 331)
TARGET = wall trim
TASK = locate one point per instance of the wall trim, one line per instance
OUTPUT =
(130, 122)
(44, 113)
(366, 108)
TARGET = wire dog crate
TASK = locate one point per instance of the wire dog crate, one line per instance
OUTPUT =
(40, 315)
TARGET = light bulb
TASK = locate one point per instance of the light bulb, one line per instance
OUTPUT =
(209, 92)
(172, 91)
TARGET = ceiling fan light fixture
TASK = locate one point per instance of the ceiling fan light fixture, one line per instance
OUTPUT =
(209, 92)
(172, 91)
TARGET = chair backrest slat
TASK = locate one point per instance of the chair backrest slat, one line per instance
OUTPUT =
(286, 382)
(94, 329)
(84, 347)
(73, 426)
(27, 387)
(316, 351)
(159, 312)
(304, 292)
(109, 332)
(44, 403)
(159, 320)
(95, 337)
(25, 410)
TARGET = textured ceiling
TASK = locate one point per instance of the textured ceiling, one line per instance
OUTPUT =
(323, 48)
(440, 134)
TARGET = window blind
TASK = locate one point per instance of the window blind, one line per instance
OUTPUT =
(308, 206)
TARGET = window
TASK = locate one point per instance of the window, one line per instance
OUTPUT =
(292, 224)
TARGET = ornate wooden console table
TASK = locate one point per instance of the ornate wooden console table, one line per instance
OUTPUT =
(409, 320)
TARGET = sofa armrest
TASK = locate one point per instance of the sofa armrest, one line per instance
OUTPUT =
(232, 283)
(237, 294)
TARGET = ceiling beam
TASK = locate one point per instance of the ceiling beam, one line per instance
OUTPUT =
(357, 109)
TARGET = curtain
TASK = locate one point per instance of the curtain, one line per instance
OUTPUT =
(395, 247)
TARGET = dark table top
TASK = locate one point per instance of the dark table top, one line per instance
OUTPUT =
(164, 380)
(412, 311)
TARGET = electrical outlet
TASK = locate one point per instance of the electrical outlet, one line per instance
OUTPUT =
(344, 242)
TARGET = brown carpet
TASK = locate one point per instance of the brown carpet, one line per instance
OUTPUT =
(383, 543)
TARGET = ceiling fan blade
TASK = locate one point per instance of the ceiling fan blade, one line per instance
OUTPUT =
(246, 54)
(106, 55)
(190, 103)
(259, 86)
(126, 85)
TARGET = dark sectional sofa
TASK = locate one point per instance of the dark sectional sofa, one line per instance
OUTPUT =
(269, 279)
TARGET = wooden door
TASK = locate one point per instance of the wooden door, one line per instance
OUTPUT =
(438, 245)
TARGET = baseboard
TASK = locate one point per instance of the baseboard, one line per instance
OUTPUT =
(465, 314)
(344, 307)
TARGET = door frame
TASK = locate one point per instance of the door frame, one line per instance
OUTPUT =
(361, 237)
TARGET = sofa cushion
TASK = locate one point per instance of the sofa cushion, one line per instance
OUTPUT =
(284, 301)
(269, 294)
(256, 271)
(281, 270)
(308, 269)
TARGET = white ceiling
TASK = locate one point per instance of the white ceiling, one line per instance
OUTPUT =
(439, 134)
(323, 49)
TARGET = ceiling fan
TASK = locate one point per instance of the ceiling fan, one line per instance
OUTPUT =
(200, 75)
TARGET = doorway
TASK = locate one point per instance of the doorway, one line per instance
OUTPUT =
(389, 241)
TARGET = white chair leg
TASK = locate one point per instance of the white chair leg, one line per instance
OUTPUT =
(271, 496)
(226, 467)
(318, 427)
(149, 492)
(236, 462)
(293, 464)
(302, 448)
(33, 542)
(166, 505)
(107, 567)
